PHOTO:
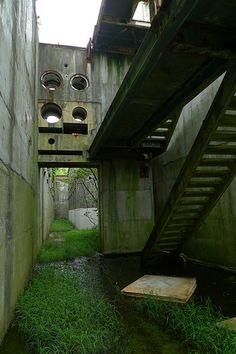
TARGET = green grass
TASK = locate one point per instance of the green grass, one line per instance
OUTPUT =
(61, 225)
(194, 324)
(65, 246)
(58, 315)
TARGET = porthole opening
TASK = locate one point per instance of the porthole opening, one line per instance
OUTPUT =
(51, 112)
(79, 114)
(51, 141)
(79, 82)
(51, 80)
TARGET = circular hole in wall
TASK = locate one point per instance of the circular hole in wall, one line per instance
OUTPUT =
(79, 114)
(51, 80)
(51, 112)
(65, 65)
(51, 141)
(79, 82)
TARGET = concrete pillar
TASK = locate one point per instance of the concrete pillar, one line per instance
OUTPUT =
(126, 205)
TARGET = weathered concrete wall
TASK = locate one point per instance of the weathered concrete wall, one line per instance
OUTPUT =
(46, 202)
(19, 239)
(61, 197)
(126, 206)
(105, 74)
(83, 198)
(83, 188)
(215, 241)
(84, 218)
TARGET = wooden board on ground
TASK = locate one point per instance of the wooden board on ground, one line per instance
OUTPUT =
(163, 287)
(230, 323)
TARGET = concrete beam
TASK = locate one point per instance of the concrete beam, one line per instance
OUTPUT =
(65, 161)
(59, 143)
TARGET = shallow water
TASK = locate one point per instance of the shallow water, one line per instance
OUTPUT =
(142, 335)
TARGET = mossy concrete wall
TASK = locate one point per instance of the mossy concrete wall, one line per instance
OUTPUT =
(126, 206)
(215, 242)
(61, 197)
(104, 73)
(19, 240)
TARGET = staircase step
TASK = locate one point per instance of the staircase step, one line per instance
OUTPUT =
(156, 138)
(225, 136)
(205, 181)
(171, 232)
(224, 149)
(228, 120)
(189, 200)
(198, 191)
(184, 216)
(212, 171)
(216, 162)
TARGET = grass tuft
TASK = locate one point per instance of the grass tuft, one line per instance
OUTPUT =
(58, 315)
(61, 225)
(194, 324)
(66, 246)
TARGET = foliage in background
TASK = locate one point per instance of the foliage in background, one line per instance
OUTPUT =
(196, 325)
(58, 315)
(66, 245)
(83, 190)
(88, 179)
(60, 171)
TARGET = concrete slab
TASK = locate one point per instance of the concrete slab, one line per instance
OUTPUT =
(163, 287)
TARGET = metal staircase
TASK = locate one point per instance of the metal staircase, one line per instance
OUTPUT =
(208, 170)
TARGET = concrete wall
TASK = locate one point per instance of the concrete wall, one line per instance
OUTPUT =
(19, 239)
(105, 74)
(215, 242)
(46, 202)
(83, 198)
(83, 188)
(126, 206)
(61, 197)
(84, 218)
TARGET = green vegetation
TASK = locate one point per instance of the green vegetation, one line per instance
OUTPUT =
(66, 245)
(194, 324)
(58, 315)
(61, 225)
(64, 311)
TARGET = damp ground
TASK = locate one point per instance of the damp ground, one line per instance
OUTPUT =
(142, 334)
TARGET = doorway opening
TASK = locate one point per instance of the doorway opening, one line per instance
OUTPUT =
(69, 194)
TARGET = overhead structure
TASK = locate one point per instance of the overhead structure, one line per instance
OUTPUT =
(189, 45)
(208, 170)
(116, 31)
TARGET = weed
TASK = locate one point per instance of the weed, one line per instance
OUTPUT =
(196, 325)
(59, 316)
(69, 245)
